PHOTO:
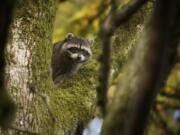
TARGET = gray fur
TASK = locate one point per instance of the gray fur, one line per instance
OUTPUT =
(67, 56)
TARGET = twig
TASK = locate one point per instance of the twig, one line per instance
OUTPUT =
(162, 123)
(105, 60)
(46, 102)
(110, 24)
(167, 102)
(174, 96)
(125, 14)
(23, 130)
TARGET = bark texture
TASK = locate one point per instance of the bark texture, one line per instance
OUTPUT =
(31, 29)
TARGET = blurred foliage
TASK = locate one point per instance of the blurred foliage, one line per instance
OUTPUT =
(79, 17)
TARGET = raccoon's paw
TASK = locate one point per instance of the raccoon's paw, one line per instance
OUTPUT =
(58, 81)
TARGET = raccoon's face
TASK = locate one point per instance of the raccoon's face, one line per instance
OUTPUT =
(77, 49)
(79, 53)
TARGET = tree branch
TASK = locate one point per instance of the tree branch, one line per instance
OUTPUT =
(110, 24)
(24, 130)
(167, 102)
(175, 96)
(125, 14)
(162, 123)
(105, 60)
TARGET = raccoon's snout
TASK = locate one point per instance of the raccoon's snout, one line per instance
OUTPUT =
(79, 57)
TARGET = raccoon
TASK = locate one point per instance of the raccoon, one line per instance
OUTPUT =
(68, 55)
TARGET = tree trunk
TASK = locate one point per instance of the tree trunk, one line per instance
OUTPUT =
(28, 58)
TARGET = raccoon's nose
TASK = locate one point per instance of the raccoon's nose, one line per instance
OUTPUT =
(79, 57)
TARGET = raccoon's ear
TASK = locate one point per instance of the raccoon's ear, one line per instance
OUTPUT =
(91, 42)
(69, 36)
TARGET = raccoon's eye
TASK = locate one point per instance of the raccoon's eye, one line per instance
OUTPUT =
(73, 49)
(85, 53)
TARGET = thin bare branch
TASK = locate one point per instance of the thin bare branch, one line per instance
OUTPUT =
(47, 105)
(23, 130)
(168, 95)
(162, 123)
(168, 102)
(105, 59)
(110, 24)
(125, 14)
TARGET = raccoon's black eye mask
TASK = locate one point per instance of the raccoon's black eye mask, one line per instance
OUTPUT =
(85, 53)
(73, 49)
(76, 50)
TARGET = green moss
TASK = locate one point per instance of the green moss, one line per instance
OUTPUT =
(74, 101)
(127, 36)
(124, 43)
